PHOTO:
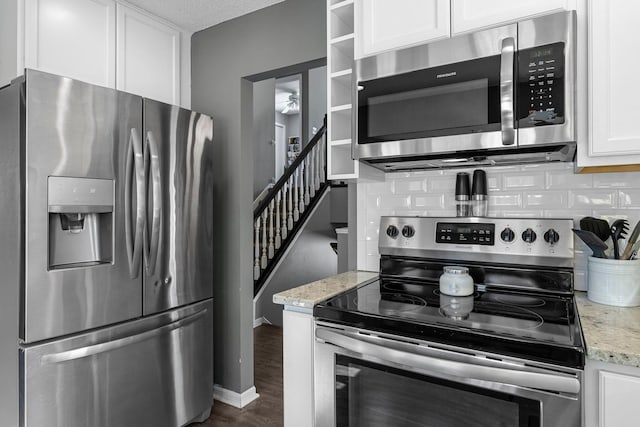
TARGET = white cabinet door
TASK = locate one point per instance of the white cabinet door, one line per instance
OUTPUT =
(383, 25)
(614, 101)
(469, 15)
(73, 38)
(619, 400)
(148, 62)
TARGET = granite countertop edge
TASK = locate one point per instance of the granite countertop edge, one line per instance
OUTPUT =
(611, 334)
(306, 296)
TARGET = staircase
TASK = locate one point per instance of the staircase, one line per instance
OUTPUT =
(282, 213)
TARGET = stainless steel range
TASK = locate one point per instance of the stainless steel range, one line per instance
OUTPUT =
(493, 339)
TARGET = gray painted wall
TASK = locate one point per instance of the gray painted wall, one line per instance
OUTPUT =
(317, 98)
(264, 117)
(291, 32)
(309, 259)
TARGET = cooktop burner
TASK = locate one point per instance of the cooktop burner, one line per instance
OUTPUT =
(538, 326)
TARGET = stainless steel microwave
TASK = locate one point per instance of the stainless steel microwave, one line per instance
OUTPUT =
(499, 96)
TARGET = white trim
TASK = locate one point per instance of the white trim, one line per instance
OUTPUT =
(238, 400)
(261, 321)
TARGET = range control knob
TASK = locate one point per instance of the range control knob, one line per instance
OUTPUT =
(408, 231)
(529, 235)
(551, 236)
(392, 231)
(507, 235)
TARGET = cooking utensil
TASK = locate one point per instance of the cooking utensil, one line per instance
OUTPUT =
(626, 254)
(595, 243)
(618, 230)
(596, 225)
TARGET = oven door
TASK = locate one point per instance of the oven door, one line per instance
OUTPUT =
(364, 378)
(446, 96)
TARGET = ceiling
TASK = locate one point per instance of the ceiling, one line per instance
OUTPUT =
(196, 15)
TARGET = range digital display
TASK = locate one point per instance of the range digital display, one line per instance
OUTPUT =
(469, 234)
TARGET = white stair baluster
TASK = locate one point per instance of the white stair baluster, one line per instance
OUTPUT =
(296, 212)
(301, 188)
(312, 173)
(263, 259)
(278, 240)
(284, 228)
(317, 155)
(306, 181)
(270, 249)
(256, 251)
(323, 156)
(290, 204)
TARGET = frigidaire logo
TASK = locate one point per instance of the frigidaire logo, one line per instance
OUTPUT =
(451, 74)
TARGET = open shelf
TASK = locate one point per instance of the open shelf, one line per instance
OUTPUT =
(341, 19)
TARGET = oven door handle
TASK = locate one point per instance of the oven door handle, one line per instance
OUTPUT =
(507, 55)
(551, 382)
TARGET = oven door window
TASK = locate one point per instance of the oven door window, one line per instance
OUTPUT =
(454, 99)
(368, 394)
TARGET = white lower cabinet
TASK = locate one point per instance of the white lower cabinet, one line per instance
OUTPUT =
(148, 56)
(297, 362)
(611, 395)
(73, 38)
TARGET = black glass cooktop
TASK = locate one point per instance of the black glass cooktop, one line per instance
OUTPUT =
(542, 327)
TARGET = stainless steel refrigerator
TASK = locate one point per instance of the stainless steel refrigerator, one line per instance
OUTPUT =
(106, 239)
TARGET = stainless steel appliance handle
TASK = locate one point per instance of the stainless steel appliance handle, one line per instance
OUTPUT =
(105, 347)
(155, 180)
(507, 57)
(133, 238)
(542, 381)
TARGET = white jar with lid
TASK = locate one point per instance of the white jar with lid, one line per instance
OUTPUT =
(456, 281)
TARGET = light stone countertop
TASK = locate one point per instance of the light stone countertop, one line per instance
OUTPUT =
(306, 296)
(611, 334)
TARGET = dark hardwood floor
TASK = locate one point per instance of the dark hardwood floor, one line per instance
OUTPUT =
(267, 410)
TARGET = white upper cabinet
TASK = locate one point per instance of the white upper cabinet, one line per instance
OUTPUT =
(148, 61)
(467, 15)
(614, 106)
(384, 25)
(73, 38)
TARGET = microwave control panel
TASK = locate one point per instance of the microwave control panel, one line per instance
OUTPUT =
(541, 85)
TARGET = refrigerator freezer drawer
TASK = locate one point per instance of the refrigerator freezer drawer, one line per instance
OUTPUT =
(155, 371)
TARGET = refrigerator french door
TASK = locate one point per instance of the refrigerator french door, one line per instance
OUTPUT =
(113, 234)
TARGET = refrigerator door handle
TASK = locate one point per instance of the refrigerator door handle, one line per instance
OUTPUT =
(151, 248)
(133, 238)
(78, 353)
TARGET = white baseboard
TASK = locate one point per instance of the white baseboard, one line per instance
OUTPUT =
(238, 400)
(261, 321)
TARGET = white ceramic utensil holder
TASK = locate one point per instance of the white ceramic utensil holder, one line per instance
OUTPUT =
(614, 281)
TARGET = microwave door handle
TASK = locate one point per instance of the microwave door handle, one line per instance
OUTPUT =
(507, 57)
(538, 380)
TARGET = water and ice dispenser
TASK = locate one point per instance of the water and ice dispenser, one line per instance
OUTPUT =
(80, 221)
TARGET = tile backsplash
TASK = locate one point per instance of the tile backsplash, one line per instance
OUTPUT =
(539, 190)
